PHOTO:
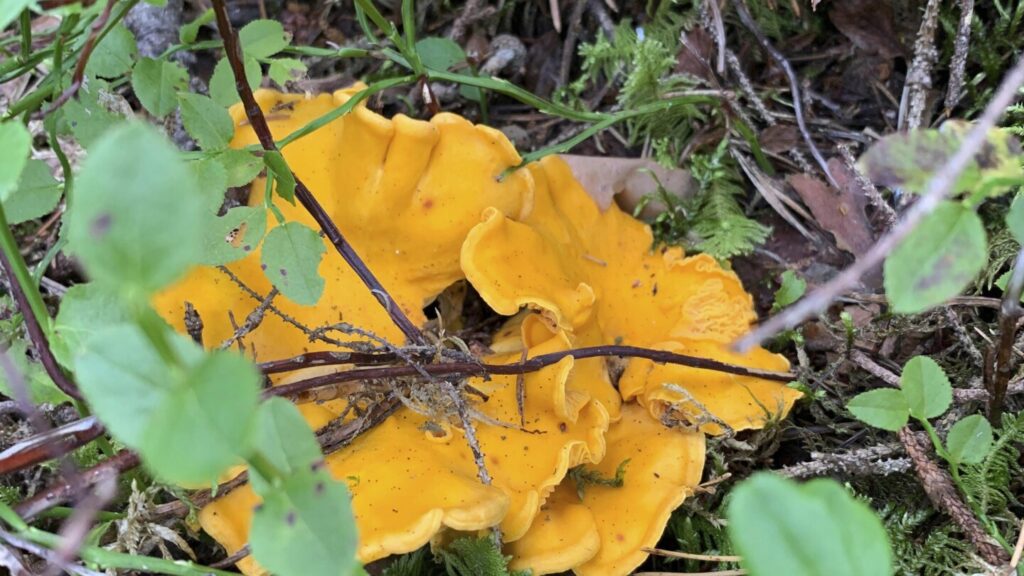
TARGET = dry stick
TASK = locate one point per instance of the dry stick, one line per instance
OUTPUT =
(36, 334)
(794, 86)
(1003, 368)
(252, 321)
(936, 481)
(302, 193)
(919, 75)
(716, 21)
(46, 445)
(938, 188)
(944, 496)
(462, 369)
(62, 492)
(76, 528)
(958, 65)
(688, 556)
(79, 74)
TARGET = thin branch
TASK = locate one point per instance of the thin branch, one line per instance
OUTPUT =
(49, 444)
(958, 64)
(944, 496)
(1002, 355)
(463, 369)
(259, 125)
(939, 187)
(64, 491)
(915, 89)
(794, 86)
(83, 59)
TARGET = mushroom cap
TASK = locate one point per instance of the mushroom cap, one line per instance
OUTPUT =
(705, 398)
(423, 205)
(664, 466)
(412, 476)
(404, 192)
(596, 274)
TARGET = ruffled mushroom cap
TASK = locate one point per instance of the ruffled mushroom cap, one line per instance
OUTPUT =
(595, 274)
(707, 399)
(664, 466)
(412, 476)
(409, 196)
(404, 192)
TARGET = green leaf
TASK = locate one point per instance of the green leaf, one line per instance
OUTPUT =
(910, 159)
(156, 84)
(41, 390)
(284, 438)
(88, 118)
(885, 408)
(135, 221)
(188, 33)
(212, 179)
(262, 38)
(234, 236)
(37, 194)
(790, 290)
(291, 255)
(16, 143)
(206, 121)
(188, 423)
(781, 527)
(283, 70)
(242, 167)
(282, 174)
(926, 388)
(304, 527)
(85, 309)
(11, 9)
(222, 83)
(937, 260)
(1015, 219)
(969, 440)
(439, 53)
(114, 55)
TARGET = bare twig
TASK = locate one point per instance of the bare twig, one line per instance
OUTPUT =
(688, 556)
(78, 75)
(939, 187)
(463, 369)
(794, 86)
(569, 44)
(915, 90)
(65, 490)
(716, 21)
(879, 460)
(259, 125)
(958, 65)
(45, 553)
(76, 529)
(252, 321)
(944, 496)
(1002, 356)
(50, 444)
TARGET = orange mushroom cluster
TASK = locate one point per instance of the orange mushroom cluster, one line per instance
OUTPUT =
(423, 204)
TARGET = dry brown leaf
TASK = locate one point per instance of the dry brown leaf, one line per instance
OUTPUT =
(628, 180)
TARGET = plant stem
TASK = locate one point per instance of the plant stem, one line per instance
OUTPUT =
(33, 310)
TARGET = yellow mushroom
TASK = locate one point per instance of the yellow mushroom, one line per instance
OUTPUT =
(404, 192)
(597, 275)
(662, 468)
(423, 204)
